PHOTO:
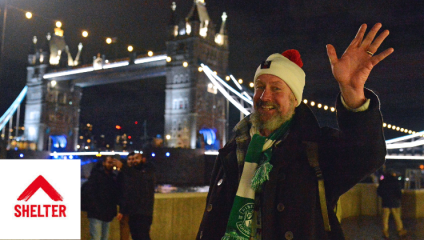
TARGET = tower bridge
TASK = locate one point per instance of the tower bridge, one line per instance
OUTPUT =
(52, 106)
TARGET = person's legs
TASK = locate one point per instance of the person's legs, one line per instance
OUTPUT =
(124, 228)
(386, 214)
(105, 230)
(140, 227)
(398, 220)
(95, 228)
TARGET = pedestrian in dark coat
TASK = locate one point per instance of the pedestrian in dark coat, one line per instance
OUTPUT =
(100, 193)
(281, 175)
(390, 192)
(139, 181)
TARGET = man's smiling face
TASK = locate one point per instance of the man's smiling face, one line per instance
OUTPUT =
(274, 102)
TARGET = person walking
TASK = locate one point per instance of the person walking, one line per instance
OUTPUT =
(390, 192)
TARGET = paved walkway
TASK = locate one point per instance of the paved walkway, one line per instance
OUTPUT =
(369, 228)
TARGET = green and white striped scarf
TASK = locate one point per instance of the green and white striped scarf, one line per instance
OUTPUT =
(255, 172)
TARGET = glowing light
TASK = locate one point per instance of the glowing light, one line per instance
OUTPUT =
(210, 85)
(28, 15)
(108, 40)
(21, 155)
(78, 146)
(325, 107)
(389, 126)
(240, 81)
(410, 131)
(118, 127)
(150, 53)
(312, 103)
(136, 122)
(185, 64)
(332, 109)
(200, 69)
(227, 78)
(168, 59)
(58, 24)
(384, 124)
(319, 105)
(85, 34)
(168, 137)
(88, 140)
(235, 82)
(305, 101)
(98, 155)
(130, 48)
(397, 128)
(129, 137)
(251, 84)
(153, 154)
(167, 154)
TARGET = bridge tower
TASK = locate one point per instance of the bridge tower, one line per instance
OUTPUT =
(52, 107)
(195, 114)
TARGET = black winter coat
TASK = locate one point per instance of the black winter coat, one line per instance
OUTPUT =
(100, 195)
(390, 192)
(290, 203)
(137, 189)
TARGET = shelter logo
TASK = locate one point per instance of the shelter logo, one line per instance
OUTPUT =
(40, 199)
(38, 210)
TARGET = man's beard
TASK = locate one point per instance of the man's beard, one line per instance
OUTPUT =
(276, 120)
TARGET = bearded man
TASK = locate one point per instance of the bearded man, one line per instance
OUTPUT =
(281, 175)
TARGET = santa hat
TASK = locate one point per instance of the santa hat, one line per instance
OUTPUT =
(288, 67)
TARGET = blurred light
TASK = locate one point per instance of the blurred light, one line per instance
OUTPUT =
(114, 167)
(397, 128)
(399, 178)
(130, 48)
(168, 137)
(240, 81)
(53, 83)
(81, 137)
(185, 64)
(410, 131)
(200, 69)
(319, 105)
(406, 179)
(58, 24)
(402, 129)
(393, 127)
(251, 84)
(168, 59)
(28, 15)
(78, 146)
(389, 125)
(108, 40)
(422, 167)
(332, 109)
(215, 72)
(153, 154)
(210, 85)
(89, 140)
(305, 101)
(150, 53)
(21, 155)
(85, 34)
(136, 122)
(325, 107)
(384, 124)
(227, 78)
(129, 137)
(118, 127)
(312, 103)
(86, 147)
(71, 157)
(167, 154)
(98, 155)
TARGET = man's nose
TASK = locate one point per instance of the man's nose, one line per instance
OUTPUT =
(266, 95)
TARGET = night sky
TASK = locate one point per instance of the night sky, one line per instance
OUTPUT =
(256, 29)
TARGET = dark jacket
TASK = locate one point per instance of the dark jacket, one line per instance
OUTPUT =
(100, 195)
(290, 202)
(390, 192)
(138, 189)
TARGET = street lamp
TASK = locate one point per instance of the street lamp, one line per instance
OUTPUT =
(28, 15)
(130, 48)
(85, 34)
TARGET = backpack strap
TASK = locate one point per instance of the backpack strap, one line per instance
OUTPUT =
(312, 154)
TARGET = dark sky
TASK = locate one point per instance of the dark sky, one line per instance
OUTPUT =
(256, 29)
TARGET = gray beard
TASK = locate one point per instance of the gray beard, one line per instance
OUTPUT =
(275, 122)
